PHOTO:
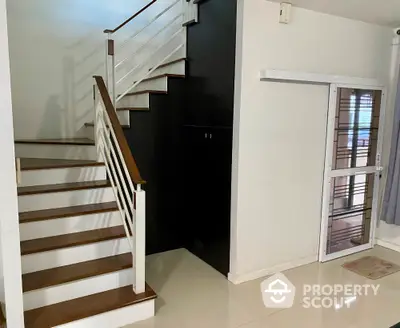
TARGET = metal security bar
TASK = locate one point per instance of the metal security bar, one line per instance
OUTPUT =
(356, 128)
(348, 224)
(354, 147)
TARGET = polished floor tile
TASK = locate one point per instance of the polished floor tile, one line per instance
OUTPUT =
(193, 295)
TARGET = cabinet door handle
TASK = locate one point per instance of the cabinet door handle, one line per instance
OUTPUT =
(210, 135)
(205, 135)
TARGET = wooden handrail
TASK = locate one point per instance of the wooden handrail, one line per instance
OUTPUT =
(119, 133)
(130, 18)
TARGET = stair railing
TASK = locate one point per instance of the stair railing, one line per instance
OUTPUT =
(182, 11)
(125, 178)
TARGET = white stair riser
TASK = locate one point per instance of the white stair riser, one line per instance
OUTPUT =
(79, 288)
(56, 151)
(62, 226)
(62, 175)
(176, 68)
(141, 100)
(64, 199)
(116, 318)
(159, 84)
(77, 254)
(123, 117)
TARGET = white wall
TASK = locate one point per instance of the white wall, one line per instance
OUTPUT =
(389, 235)
(10, 270)
(272, 225)
(56, 47)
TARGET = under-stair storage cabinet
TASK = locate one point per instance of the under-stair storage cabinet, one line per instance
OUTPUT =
(207, 131)
(207, 193)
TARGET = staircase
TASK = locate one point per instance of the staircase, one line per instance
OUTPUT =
(81, 202)
(76, 259)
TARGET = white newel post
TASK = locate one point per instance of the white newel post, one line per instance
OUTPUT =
(140, 241)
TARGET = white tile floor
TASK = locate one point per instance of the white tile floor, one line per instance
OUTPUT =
(193, 295)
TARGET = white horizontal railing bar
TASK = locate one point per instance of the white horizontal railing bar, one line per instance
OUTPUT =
(125, 168)
(121, 176)
(149, 72)
(146, 43)
(122, 210)
(115, 191)
(109, 149)
(113, 175)
(123, 44)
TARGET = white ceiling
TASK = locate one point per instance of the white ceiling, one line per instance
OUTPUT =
(381, 12)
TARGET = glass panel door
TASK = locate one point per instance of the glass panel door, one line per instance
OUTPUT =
(351, 171)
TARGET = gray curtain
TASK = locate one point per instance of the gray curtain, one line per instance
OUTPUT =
(391, 200)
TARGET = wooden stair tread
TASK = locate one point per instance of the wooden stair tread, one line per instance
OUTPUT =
(71, 186)
(68, 273)
(163, 75)
(49, 163)
(63, 212)
(172, 62)
(132, 108)
(72, 239)
(83, 307)
(65, 141)
(162, 92)
(92, 124)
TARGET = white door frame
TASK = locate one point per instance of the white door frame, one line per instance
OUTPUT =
(328, 173)
(335, 81)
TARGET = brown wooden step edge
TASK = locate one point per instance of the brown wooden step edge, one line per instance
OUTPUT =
(60, 187)
(65, 212)
(163, 75)
(70, 141)
(28, 164)
(69, 240)
(77, 271)
(159, 92)
(170, 63)
(84, 307)
(91, 124)
(133, 108)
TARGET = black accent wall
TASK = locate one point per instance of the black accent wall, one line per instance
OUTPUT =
(155, 140)
(183, 145)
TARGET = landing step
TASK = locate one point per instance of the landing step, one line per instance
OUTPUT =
(70, 240)
(64, 212)
(67, 141)
(91, 124)
(28, 164)
(43, 189)
(83, 307)
(172, 62)
(133, 108)
(163, 75)
(68, 273)
(146, 91)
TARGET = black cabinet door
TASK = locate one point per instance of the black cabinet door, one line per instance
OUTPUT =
(207, 194)
(195, 171)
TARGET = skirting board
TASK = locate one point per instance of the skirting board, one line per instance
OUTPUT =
(244, 277)
(393, 247)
